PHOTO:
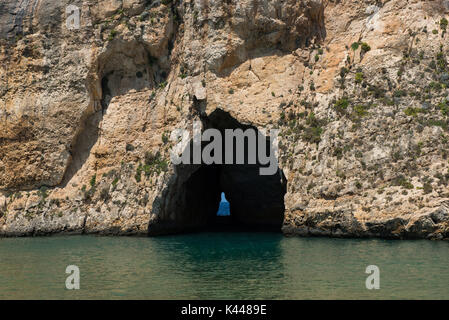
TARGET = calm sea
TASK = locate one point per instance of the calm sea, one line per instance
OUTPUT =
(222, 266)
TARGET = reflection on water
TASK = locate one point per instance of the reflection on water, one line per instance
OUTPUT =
(221, 266)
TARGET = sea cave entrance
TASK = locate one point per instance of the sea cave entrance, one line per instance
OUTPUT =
(256, 201)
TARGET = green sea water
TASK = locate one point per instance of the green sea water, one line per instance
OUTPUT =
(222, 266)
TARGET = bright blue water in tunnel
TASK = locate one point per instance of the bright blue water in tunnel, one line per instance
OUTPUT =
(223, 210)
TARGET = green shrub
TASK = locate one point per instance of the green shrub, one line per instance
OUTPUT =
(93, 180)
(104, 193)
(444, 107)
(412, 112)
(376, 91)
(342, 104)
(112, 34)
(437, 123)
(443, 24)
(312, 134)
(441, 61)
(154, 163)
(338, 152)
(365, 47)
(147, 169)
(43, 192)
(343, 72)
(312, 120)
(427, 187)
(399, 93)
(355, 46)
(138, 175)
(361, 110)
(401, 181)
(129, 147)
(435, 86)
(165, 137)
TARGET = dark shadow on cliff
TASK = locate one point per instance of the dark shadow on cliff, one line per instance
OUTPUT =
(123, 67)
(84, 142)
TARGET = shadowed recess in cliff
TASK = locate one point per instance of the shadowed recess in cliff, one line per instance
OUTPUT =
(191, 203)
(123, 67)
(285, 27)
(16, 17)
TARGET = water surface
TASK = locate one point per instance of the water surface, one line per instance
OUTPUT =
(222, 266)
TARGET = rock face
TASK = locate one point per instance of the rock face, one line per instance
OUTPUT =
(358, 90)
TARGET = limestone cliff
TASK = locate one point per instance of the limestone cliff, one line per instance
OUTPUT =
(359, 90)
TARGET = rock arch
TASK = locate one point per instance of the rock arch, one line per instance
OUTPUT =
(191, 200)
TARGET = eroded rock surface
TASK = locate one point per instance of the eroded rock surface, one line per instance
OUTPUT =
(359, 90)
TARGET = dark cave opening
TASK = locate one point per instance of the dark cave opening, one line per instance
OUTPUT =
(256, 201)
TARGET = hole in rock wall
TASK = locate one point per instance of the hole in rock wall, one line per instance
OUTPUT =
(223, 210)
(256, 202)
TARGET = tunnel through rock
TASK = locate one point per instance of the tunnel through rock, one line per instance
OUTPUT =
(256, 201)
